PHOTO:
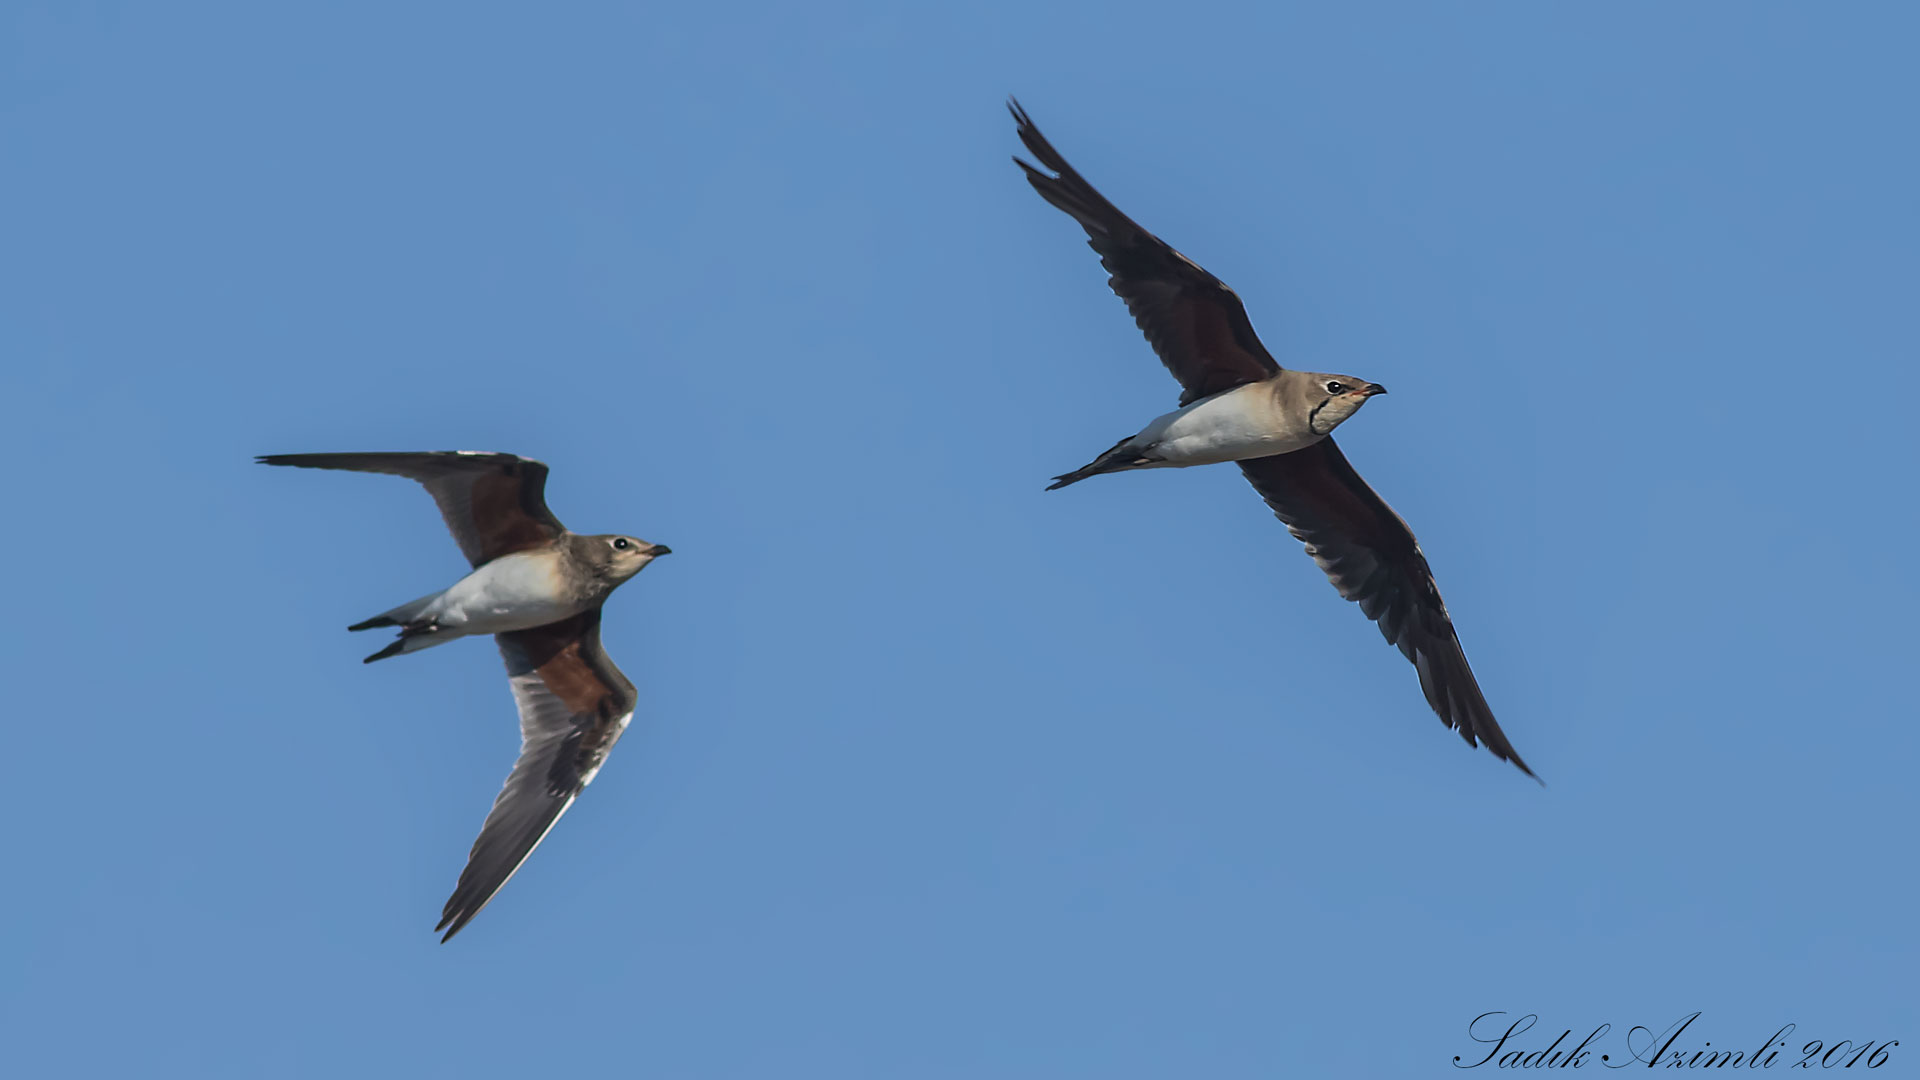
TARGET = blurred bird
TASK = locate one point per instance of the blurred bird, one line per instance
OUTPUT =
(538, 589)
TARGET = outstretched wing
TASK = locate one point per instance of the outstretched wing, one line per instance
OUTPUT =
(1194, 322)
(494, 504)
(574, 703)
(1370, 555)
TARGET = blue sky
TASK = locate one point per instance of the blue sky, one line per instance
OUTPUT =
(935, 774)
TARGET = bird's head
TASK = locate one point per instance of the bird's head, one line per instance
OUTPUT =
(1331, 399)
(621, 557)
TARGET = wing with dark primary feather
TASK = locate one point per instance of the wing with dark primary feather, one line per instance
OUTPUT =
(1370, 555)
(574, 703)
(494, 504)
(1194, 322)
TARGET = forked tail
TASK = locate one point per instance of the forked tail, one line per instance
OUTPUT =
(413, 638)
(416, 633)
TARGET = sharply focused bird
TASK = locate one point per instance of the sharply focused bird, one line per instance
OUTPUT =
(1240, 405)
(538, 589)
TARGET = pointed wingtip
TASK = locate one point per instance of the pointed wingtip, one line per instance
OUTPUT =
(1514, 760)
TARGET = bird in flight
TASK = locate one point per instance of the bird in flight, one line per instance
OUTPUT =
(1240, 405)
(538, 589)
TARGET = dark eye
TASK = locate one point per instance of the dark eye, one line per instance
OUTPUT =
(1335, 386)
(621, 544)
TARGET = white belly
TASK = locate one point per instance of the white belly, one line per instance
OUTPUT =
(1229, 426)
(515, 592)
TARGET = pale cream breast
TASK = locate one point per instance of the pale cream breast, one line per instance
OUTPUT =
(514, 592)
(1246, 422)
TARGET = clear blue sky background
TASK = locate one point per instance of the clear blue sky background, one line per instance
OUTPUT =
(936, 775)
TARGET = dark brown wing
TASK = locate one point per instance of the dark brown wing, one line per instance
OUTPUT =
(494, 504)
(1370, 555)
(1194, 322)
(574, 703)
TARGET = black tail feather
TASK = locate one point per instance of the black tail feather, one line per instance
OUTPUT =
(390, 650)
(1111, 461)
(1075, 476)
(408, 631)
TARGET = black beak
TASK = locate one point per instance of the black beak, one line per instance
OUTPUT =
(659, 549)
(1375, 388)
